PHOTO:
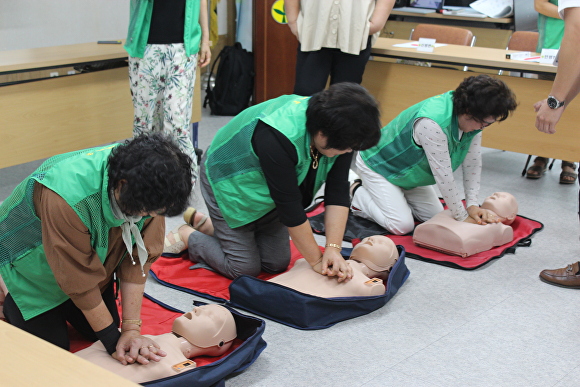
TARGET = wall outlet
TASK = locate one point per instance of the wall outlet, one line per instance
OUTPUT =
(54, 74)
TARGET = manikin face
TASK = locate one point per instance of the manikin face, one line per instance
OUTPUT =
(378, 253)
(206, 326)
(320, 141)
(503, 204)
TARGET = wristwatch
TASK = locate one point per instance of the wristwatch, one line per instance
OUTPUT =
(554, 103)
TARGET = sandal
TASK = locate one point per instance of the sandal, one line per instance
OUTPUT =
(189, 216)
(353, 187)
(177, 246)
(567, 177)
(537, 170)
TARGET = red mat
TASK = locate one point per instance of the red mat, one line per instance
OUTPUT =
(523, 228)
(174, 272)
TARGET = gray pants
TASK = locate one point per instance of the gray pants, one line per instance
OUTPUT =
(261, 245)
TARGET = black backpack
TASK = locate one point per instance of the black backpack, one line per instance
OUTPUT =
(234, 82)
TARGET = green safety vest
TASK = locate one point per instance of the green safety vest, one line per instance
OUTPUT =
(140, 21)
(234, 171)
(81, 179)
(551, 31)
(400, 160)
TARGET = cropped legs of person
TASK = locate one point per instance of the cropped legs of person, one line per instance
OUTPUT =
(566, 277)
(162, 91)
(51, 326)
(261, 245)
(314, 67)
(390, 206)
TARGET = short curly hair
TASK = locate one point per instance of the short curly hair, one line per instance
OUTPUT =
(156, 173)
(483, 96)
(347, 114)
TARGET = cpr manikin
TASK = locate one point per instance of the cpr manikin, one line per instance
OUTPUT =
(445, 234)
(504, 205)
(207, 330)
(371, 261)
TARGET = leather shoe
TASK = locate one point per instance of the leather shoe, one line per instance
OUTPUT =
(565, 277)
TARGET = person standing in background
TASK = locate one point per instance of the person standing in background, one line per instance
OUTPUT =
(166, 41)
(551, 30)
(548, 111)
(335, 38)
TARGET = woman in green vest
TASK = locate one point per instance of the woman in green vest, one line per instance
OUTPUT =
(551, 31)
(424, 145)
(265, 166)
(76, 222)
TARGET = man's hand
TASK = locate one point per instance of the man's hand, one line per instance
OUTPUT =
(546, 118)
(132, 347)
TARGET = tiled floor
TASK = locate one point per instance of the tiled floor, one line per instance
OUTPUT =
(495, 326)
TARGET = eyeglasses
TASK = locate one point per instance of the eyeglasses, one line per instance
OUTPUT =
(483, 123)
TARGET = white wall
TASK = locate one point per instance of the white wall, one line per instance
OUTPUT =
(43, 23)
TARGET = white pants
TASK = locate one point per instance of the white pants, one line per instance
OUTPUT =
(390, 206)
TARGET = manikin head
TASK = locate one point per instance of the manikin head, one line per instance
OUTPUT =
(378, 254)
(503, 204)
(210, 329)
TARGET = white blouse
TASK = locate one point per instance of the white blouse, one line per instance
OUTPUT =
(429, 135)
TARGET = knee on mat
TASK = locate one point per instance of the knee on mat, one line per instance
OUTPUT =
(400, 227)
(237, 272)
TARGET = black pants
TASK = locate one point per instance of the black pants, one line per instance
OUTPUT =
(52, 325)
(314, 67)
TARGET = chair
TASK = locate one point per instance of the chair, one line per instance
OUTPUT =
(443, 34)
(523, 41)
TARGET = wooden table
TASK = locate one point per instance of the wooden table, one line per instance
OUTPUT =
(398, 86)
(26, 360)
(46, 117)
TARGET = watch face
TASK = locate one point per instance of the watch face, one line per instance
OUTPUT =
(553, 103)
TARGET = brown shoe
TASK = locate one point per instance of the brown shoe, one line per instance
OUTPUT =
(565, 277)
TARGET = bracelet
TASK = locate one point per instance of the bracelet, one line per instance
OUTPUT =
(333, 245)
(135, 322)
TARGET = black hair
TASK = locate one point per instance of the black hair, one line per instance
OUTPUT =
(483, 96)
(156, 172)
(347, 115)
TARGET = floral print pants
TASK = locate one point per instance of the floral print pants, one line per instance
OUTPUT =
(162, 91)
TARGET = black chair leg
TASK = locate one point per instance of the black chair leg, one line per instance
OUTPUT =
(526, 166)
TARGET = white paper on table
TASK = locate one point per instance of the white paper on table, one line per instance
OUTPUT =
(415, 44)
(494, 8)
(426, 45)
(548, 55)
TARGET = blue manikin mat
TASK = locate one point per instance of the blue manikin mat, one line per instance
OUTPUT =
(249, 344)
(273, 301)
(304, 311)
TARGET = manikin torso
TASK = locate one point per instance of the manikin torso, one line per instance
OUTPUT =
(445, 234)
(371, 261)
(302, 278)
(207, 330)
(139, 373)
